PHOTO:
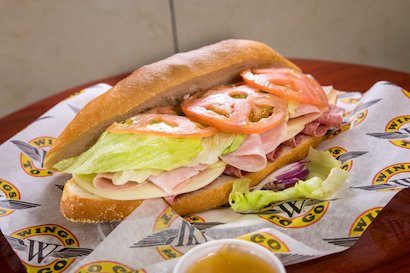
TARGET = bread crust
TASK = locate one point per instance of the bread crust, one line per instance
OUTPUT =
(77, 205)
(161, 83)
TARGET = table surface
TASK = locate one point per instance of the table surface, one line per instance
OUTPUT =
(385, 244)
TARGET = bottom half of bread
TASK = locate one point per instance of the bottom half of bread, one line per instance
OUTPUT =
(79, 205)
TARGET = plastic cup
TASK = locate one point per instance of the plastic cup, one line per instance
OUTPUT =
(200, 251)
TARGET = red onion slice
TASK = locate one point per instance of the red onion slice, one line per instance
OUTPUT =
(285, 177)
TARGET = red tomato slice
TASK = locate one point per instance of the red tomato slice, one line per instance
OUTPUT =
(237, 109)
(163, 125)
(287, 83)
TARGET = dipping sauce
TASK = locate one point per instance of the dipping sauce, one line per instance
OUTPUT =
(231, 259)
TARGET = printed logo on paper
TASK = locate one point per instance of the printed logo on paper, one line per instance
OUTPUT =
(333, 133)
(397, 132)
(359, 225)
(166, 238)
(363, 221)
(107, 267)
(394, 177)
(10, 199)
(33, 154)
(345, 157)
(46, 248)
(199, 222)
(295, 214)
(194, 218)
(345, 98)
(358, 118)
(267, 240)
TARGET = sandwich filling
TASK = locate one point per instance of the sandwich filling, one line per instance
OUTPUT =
(235, 129)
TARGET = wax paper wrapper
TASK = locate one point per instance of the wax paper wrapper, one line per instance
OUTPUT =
(373, 145)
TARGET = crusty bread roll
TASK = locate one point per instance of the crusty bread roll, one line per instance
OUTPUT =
(163, 83)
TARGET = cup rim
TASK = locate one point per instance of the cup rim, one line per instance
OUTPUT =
(254, 246)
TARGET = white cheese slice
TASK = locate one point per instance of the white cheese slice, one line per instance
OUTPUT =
(296, 125)
(149, 190)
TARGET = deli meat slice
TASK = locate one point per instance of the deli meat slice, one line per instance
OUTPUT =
(103, 181)
(233, 171)
(272, 156)
(315, 129)
(332, 117)
(249, 157)
(273, 138)
(170, 180)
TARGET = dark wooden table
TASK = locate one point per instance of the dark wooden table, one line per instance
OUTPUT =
(383, 247)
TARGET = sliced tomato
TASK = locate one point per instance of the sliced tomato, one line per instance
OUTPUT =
(287, 83)
(237, 109)
(163, 125)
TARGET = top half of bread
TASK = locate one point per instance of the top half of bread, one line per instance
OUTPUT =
(162, 83)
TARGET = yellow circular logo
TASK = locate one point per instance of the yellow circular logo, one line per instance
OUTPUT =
(337, 152)
(267, 240)
(399, 171)
(350, 100)
(333, 133)
(399, 124)
(54, 254)
(296, 214)
(194, 219)
(33, 154)
(363, 221)
(163, 221)
(107, 267)
(358, 118)
(10, 192)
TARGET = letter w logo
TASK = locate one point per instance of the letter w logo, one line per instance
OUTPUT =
(41, 250)
(291, 207)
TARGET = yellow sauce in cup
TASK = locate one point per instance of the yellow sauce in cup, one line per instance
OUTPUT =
(231, 259)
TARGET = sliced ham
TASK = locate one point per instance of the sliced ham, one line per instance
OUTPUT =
(272, 156)
(273, 138)
(233, 171)
(103, 181)
(250, 156)
(333, 117)
(168, 181)
(315, 129)
(170, 199)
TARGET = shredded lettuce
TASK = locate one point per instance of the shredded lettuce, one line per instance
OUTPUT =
(325, 178)
(123, 152)
(237, 141)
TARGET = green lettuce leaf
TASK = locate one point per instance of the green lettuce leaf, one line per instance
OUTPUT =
(122, 152)
(325, 178)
